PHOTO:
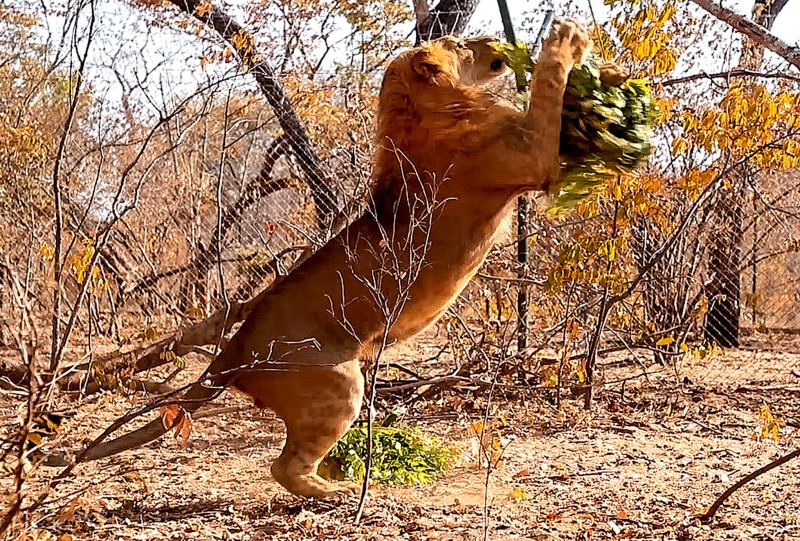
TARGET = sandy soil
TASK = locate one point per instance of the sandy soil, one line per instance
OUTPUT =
(650, 457)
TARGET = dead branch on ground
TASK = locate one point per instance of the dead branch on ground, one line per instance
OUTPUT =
(708, 516)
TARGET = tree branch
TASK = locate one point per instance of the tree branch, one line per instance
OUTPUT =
(708, 516)
(243, 43)
(754, 31)
(422, 11)
(728, 75)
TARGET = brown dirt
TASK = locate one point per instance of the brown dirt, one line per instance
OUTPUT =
(651, 457)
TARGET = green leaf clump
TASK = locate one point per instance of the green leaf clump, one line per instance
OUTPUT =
(400, 456)
(605, 125)
(516, 55)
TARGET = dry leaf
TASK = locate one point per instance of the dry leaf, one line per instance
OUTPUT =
(67, 513)
(173, 416)
(136, 479)
(169, 415)
(185, 428)
(475, 428)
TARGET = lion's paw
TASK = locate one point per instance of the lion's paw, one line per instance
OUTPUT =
(336, 490)
(567, 42)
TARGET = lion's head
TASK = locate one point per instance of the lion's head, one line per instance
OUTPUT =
(424, 87)
(487, 64)
(449, 59)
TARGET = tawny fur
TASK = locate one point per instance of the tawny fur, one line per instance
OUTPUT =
(299, 351)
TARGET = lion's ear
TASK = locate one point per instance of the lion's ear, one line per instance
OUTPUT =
(425, 65)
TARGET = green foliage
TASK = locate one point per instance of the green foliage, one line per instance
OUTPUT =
(400, 456)
(517, 57)
(605, 128)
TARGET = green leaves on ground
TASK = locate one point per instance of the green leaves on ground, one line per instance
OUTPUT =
(400, 456)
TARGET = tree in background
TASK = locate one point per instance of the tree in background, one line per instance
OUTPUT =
(725, 261)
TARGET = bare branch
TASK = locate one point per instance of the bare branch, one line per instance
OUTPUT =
(752, 30)
(729, 75)
(712, 511)
(242, 42)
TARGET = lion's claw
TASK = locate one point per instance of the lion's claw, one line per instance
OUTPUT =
(567, 42)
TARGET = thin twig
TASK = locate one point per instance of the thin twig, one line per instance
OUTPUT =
(708, 516)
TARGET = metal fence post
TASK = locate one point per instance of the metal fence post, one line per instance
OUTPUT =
(523, 205)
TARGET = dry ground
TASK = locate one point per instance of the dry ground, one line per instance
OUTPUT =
(651, 457)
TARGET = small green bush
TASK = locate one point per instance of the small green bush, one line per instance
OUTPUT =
(400, 456)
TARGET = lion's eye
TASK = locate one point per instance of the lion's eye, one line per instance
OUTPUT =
(496, 65)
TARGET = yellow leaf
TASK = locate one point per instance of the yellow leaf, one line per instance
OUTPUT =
(549, 377)
(680, 145)
(518, 494)
(770, 426)
(476, 428)
(46, 251)
(667, 13)
(667, 340)
(203, 8)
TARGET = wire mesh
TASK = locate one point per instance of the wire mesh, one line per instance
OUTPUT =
(233, 207)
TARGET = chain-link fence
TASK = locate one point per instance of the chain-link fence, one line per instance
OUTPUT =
(224, 193)
(217, 228)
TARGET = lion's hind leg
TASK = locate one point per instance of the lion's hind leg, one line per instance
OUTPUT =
(329, 403)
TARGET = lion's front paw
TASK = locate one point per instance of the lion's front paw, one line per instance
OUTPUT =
(568, 42)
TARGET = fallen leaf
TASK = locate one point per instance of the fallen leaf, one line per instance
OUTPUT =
(67, 514)
(172, 416)
(169, 414)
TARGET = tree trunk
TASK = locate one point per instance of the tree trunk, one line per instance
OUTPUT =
(725, 254)
(724, 261)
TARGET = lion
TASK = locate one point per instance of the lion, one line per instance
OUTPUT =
(300, 350)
